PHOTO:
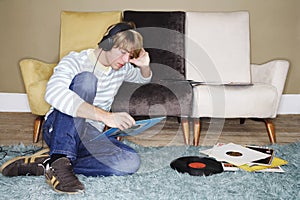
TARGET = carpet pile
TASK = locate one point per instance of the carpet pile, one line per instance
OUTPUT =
(156, 180)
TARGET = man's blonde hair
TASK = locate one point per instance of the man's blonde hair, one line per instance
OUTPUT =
(129, 40)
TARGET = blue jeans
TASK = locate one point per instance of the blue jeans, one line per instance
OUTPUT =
(90, 154)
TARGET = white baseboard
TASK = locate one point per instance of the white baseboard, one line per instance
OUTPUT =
(289, 104)
(17, 102)
(14, 102)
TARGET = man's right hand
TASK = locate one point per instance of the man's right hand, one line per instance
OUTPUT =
(121, 120)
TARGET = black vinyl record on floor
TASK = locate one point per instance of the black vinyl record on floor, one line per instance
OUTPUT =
(197, 166)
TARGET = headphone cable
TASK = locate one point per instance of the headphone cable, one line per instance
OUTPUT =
(97, 61)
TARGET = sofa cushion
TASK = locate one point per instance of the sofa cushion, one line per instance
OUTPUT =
(83, 30)
(258, 101)
(163, 33)
(218, 46)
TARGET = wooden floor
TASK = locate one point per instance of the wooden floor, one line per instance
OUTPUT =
(16, 128)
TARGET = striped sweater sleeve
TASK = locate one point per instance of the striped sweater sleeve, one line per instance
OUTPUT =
(133, 74)
(58, 94)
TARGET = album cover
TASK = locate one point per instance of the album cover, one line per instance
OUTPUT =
(276, 163)
(227, 167)
(272, 169)
(195, 83)
(139, 127)
(207, 151)
(266, 161)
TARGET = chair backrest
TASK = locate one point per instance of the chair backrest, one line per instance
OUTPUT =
(79, 30)
(163, 33)
(218, 46)
(83, 30)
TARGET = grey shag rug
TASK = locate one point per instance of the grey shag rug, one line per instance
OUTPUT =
(156, 180)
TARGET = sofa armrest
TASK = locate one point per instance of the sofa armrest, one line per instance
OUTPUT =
(273, 72)
(35, 75)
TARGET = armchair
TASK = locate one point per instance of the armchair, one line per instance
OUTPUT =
(35, 76)
(218, 54)
(79, 30)
(163, 34)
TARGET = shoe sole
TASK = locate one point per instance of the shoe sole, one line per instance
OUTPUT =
(27, 159)
(59, 191)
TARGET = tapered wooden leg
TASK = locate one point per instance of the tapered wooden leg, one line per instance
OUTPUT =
(186, 130)
(197, 127)
(271, 130)
(242, 120)
(37, 128)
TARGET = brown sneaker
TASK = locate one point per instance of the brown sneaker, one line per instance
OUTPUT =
(25, 165)
(61, 178)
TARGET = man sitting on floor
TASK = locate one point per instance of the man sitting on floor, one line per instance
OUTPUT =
(81, 92)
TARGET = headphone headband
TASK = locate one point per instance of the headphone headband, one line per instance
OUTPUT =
(119, 28)
(107, 42)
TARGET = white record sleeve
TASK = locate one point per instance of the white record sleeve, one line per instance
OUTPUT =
(236, 154)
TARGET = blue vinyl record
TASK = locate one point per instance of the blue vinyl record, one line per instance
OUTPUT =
(138, 128)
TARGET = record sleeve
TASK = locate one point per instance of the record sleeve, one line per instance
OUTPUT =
(138, 128)
(236, 154)
(276, 163)
(266, 161)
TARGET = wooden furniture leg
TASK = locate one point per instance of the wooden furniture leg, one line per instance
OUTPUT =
(186, 130)
(242, 120)
(271, 130)
(37, 128)
(197, 127)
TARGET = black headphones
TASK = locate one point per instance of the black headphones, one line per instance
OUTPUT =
(107, 41)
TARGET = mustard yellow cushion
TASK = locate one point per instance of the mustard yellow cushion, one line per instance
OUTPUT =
(35, 76)
(34, 70)
(83, 30)
(36, 95)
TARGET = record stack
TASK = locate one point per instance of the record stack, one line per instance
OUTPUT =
(234, 157)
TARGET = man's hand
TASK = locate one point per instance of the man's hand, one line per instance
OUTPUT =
(121, 120)
(143, 62)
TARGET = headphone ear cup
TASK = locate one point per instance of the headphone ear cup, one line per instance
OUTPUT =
(106, 44)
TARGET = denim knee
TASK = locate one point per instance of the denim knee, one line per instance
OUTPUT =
(124, 163)
(85, 85)
(129, 164)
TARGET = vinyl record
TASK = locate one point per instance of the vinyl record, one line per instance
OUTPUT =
(140, 126)
(197, 166)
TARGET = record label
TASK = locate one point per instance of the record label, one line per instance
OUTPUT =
(197, 166)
